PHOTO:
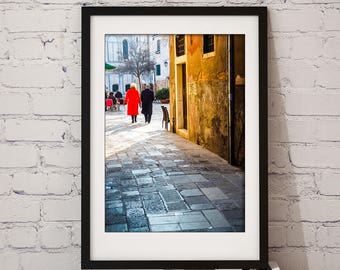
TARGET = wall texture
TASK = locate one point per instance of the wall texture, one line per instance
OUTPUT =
(40, 131)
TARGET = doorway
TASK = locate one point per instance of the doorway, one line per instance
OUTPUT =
(237, 100)
(182, 100)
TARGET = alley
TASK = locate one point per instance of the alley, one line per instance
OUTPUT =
(158, 181)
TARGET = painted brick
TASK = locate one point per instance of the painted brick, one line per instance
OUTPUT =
(74, 20)
(289, 260)
(28, 183)
(315, 156)
(276, 104)
(76, 234)
(3, 240)
(9, 261)
(300, 50)
(332, 261)
(331, 19)
(14, 104)
(34, 130)
(291, 185)
(56, 104)
(279, 47)
(22, 237)
(61, 156)
(78, 183)
(278, 210)
(332, 48)
(282, 130)
(300, 235)
(75, 128)
(62, 210)
(328, 130)
(275, 236)
(54, 236)
(4, 47)
(313, 104)
(28, 48)
(60, 48)
(315, 210)
(60, 1)
(60, 184)
(33, 75)
(329, 237)
(15, 210)
(18, 156)
(55, 261)
(294, 20)
(285, 75)
(5, 184)
(329, 184)
(34, 20)
(328, 76)
(73, 73)
(278, 156)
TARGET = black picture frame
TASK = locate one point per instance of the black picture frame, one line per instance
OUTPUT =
(261, 13)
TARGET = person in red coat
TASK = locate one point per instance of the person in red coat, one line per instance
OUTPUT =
(132, 100)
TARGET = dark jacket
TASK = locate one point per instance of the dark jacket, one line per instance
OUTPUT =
(118, 94)
(147, 98)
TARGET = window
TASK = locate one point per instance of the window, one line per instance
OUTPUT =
(158, 70)
(110, 51)
(208, 43)
(125, 49)
(158, 46)
(115, 87)
(127, 87)
(180, 45)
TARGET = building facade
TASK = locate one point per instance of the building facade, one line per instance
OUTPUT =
(117, 51)
(202, 81)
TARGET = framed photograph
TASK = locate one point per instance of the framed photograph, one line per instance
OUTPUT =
(174, 137)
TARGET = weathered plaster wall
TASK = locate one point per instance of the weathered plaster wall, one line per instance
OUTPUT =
(208, 110)
(40, 131)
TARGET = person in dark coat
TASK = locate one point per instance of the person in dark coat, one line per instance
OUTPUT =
(119, 97)
(147, 98)
(111, 96)
(132, 100)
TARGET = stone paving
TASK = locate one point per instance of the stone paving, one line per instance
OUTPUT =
(157, 181)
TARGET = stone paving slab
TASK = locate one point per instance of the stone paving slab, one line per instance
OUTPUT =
(116, 228)
(214, 193)
(170, 195)
(195, 225)
(215, 218)
(191, 192)
(177, 206)
(173, 218)
(157, 181)
(166, 227)
(144, 180)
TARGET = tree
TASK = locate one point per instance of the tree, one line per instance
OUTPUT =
(138, 62)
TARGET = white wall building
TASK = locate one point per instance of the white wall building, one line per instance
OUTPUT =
(117, 51)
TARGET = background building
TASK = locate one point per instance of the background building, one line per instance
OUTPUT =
(117, 50)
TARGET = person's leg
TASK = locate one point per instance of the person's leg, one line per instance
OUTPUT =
(146, 117)
(133, 119)
(149, 118)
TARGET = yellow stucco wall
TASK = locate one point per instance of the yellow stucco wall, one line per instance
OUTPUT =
(207, 93)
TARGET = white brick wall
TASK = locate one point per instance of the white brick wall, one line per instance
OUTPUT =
(40, 131)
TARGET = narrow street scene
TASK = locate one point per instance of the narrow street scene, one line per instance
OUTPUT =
(174, 133)
(158, 181)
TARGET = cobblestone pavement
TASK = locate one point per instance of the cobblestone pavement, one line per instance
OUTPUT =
(157, 181)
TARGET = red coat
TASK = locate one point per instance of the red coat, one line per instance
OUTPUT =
(132, 100)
